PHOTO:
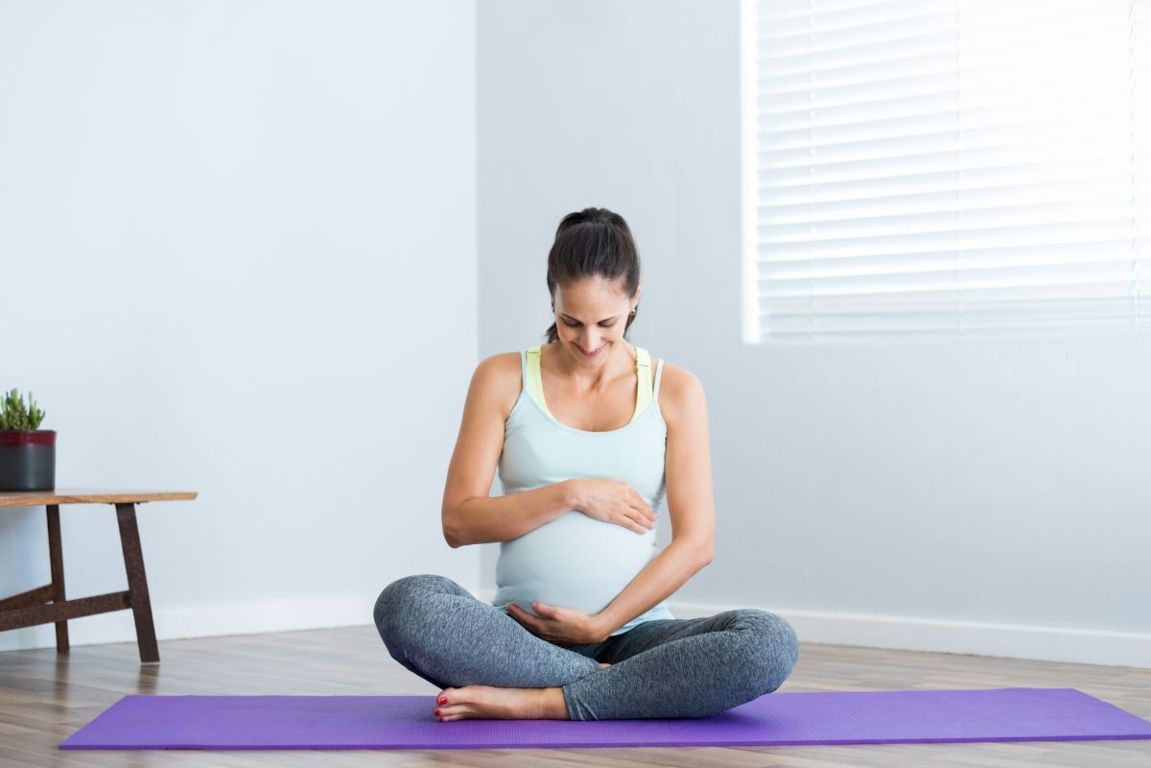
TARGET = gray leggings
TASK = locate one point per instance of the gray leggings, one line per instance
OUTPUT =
(662, 668)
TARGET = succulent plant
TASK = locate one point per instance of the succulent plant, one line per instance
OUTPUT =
(15, 416)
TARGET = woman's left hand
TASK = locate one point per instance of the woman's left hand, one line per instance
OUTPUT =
(566, 626)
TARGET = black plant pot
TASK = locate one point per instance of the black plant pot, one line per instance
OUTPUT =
(28, 460)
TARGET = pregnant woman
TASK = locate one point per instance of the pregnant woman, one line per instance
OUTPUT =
(588, 436)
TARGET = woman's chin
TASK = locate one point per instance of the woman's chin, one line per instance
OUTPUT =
(598, 354)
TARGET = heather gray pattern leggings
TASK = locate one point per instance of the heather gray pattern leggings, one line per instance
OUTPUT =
(663, 668)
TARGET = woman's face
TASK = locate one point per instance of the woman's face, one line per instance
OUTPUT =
(591, 314)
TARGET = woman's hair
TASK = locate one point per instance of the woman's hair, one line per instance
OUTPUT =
(594, 242)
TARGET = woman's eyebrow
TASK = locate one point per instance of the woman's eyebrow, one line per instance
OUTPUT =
(569, 317)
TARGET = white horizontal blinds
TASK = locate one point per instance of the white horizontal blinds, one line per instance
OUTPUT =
(952, 166)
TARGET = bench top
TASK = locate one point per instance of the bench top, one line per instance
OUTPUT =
(88, 496)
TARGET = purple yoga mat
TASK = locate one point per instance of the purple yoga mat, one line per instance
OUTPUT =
(406, 722)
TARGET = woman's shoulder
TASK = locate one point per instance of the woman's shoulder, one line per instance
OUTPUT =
(680, 392)
(676, 379)
(497, 378)
(501, 364)
(501, 370)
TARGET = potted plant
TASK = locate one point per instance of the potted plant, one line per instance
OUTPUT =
(27, 453)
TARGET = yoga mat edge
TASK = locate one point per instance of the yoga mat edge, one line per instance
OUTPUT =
(780, 719)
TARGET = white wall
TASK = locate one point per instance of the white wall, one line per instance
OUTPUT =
(231, 213)
(237, 255)
(969, 497)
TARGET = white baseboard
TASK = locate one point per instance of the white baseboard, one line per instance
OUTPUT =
(864, 630)
(906, 633)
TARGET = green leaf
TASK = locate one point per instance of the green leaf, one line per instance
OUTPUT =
(14, 415)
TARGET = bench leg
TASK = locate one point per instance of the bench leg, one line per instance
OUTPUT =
(56, 560)
(137, 583)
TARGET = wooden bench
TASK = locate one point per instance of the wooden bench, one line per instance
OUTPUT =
(47, 604)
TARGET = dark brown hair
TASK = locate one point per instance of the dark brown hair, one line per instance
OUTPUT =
(594, 242)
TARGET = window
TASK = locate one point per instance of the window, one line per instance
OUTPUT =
(946, 168)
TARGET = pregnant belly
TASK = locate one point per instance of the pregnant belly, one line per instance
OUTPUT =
(572, 562)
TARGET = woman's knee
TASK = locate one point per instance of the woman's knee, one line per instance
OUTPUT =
(772, 649)
(400, 603)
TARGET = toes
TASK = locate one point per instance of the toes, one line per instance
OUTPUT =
(453, 704)
(449, 713)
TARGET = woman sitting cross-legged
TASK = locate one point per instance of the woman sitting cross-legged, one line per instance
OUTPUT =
(589, 434)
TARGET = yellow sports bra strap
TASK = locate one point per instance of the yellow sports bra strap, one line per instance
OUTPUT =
(643, 380)
(535, 381)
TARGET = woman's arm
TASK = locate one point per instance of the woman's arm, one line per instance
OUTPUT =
(471, 516)
(691, 509)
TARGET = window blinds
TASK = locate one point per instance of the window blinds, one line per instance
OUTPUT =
(947, 167)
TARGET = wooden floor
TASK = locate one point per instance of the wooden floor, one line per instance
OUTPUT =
(44, 698)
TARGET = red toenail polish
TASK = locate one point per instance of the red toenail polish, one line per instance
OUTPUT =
(443, 700)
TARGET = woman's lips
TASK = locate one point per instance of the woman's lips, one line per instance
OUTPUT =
(585, 353)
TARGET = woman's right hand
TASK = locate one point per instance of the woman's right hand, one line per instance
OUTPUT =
(613, 501)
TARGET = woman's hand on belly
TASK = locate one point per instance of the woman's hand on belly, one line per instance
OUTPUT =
(613, 501)
(560, 625)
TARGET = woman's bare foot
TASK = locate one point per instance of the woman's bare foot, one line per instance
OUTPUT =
(484, 702)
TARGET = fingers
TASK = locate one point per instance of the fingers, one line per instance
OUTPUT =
(523, 617)
(631, 521)
(636, 514)
(645, 510)
(545, 610)
(622, 505)
(635, 521)
(540, 626)
(640, 513)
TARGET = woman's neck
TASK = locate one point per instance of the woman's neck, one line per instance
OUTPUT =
(589, 378)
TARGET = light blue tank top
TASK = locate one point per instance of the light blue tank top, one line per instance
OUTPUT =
(575, 561)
